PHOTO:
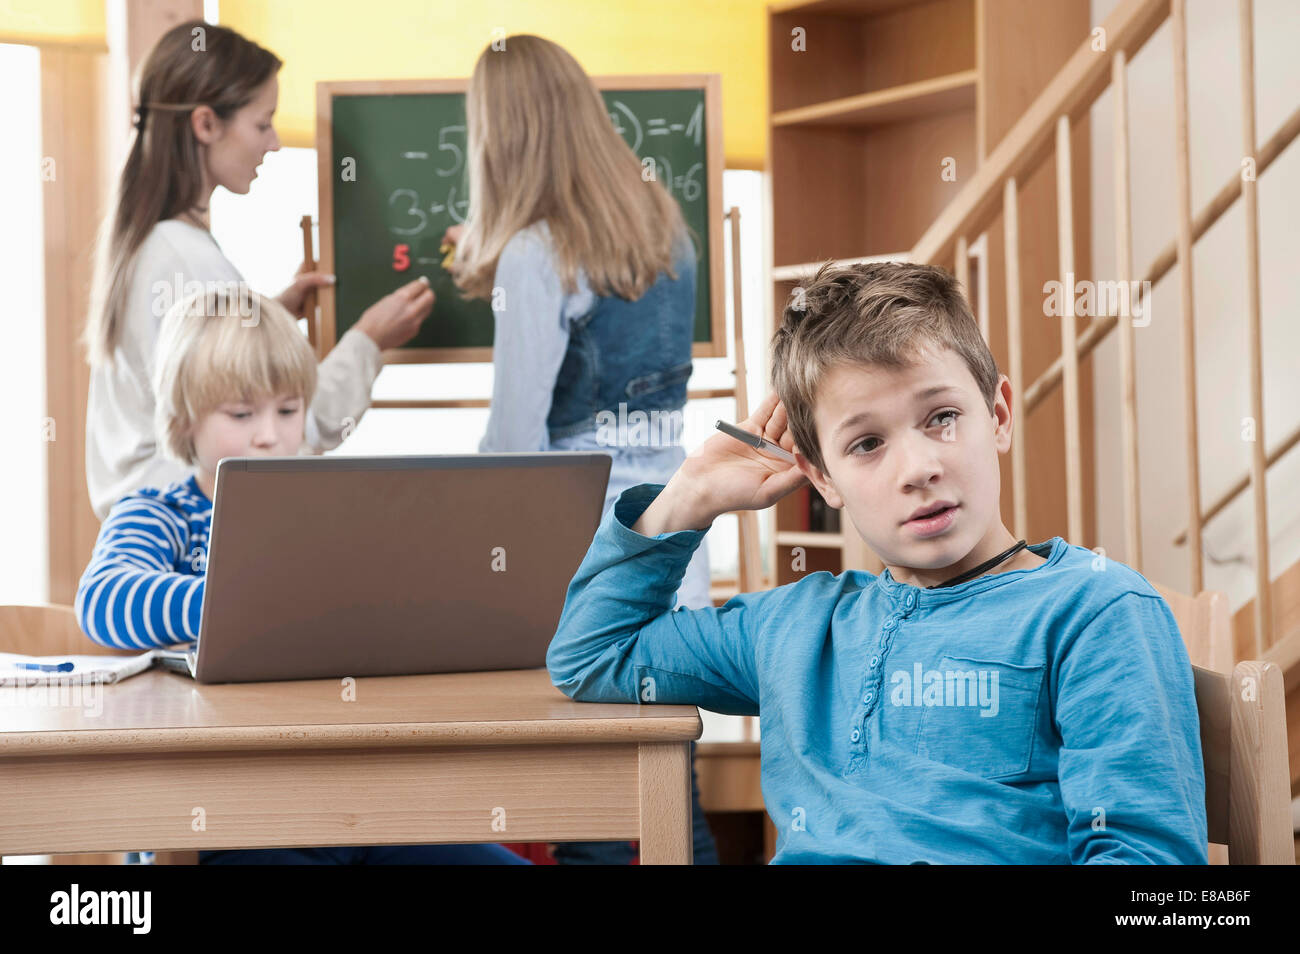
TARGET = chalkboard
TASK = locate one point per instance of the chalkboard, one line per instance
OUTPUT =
(392, 175)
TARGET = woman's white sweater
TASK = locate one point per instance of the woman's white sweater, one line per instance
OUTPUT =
(122, 452)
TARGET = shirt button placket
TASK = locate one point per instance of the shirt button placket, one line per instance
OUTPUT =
(874, 675)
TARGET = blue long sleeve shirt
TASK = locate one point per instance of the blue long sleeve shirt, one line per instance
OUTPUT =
(1039, 716)
(143, 587)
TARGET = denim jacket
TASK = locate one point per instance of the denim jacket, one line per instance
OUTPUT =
(560, 357)
(633, 353)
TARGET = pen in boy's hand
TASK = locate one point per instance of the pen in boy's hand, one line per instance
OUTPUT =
(761, 444)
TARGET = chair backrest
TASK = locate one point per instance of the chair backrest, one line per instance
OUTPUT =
(1206, 625)
(46, 629)
(1242, 711)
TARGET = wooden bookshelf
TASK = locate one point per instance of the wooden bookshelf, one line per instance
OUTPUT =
(943, 94)
(862, 121)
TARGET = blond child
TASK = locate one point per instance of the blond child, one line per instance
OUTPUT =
(233, 378)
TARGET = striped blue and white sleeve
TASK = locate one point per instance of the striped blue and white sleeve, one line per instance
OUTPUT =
(132, 595)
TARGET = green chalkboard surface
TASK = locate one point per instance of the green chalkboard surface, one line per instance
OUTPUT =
(397, 178)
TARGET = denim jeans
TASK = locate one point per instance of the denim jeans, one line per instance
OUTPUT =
(632, 466)
(378, 855)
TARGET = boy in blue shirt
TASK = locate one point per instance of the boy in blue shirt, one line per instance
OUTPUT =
(975, 702)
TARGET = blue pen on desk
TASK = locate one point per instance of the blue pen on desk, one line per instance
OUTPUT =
(47, 667)
(761, 444)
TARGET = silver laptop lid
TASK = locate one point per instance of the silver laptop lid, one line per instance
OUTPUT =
(325, 567)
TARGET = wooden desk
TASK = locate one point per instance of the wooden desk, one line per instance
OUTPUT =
(468, 757)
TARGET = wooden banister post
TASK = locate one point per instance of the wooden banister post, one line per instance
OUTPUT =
(1184, 175)
(1127, 299)
(1258, 448)
(1069, 339)
(1015, 357)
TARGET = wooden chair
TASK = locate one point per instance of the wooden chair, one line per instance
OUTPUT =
(1242, 712)
(52, 630)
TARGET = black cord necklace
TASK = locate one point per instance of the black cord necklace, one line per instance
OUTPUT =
(983, 567)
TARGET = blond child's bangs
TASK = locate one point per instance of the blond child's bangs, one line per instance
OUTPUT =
(225, 345)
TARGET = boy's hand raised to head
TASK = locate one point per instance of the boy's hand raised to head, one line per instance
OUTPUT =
(724, 475)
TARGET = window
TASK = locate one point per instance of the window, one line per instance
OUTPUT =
(26, 430)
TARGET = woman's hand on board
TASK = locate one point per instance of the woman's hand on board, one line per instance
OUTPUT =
(393, 320)
(305, 281)
(453, 234)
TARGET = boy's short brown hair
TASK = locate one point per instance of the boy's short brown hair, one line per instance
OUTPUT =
(878, 313)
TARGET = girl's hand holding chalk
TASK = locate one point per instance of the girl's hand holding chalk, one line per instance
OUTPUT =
(450, 239)
(726, 474)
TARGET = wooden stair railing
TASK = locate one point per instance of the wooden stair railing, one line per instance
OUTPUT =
(1101, 61)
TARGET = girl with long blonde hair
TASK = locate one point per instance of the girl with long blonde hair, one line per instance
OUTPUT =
(590, 270)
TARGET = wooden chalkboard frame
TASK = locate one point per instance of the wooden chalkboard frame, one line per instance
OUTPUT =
(326, 92)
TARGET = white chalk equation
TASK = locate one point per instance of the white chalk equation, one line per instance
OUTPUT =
(413, 211)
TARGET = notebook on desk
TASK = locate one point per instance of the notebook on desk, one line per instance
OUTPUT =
(326, 567)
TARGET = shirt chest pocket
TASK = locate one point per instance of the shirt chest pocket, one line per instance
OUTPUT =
(980, 716)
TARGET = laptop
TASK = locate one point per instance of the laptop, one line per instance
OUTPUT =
(326, 567)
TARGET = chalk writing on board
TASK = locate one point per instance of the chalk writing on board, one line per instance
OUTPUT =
(406, 203)
(627, 125)
(446, 143)
(416, 152)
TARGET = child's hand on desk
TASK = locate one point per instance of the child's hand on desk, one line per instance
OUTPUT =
(724, 475)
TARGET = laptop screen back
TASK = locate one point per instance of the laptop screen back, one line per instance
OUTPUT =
(325, 567)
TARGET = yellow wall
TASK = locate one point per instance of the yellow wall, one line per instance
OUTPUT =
(400, 39)
(60, 22)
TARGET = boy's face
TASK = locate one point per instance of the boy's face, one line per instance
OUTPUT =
(912, 452)
(265, 427)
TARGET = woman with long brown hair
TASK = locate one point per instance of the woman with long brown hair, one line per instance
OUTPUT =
(206, 101)
(591, 272)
